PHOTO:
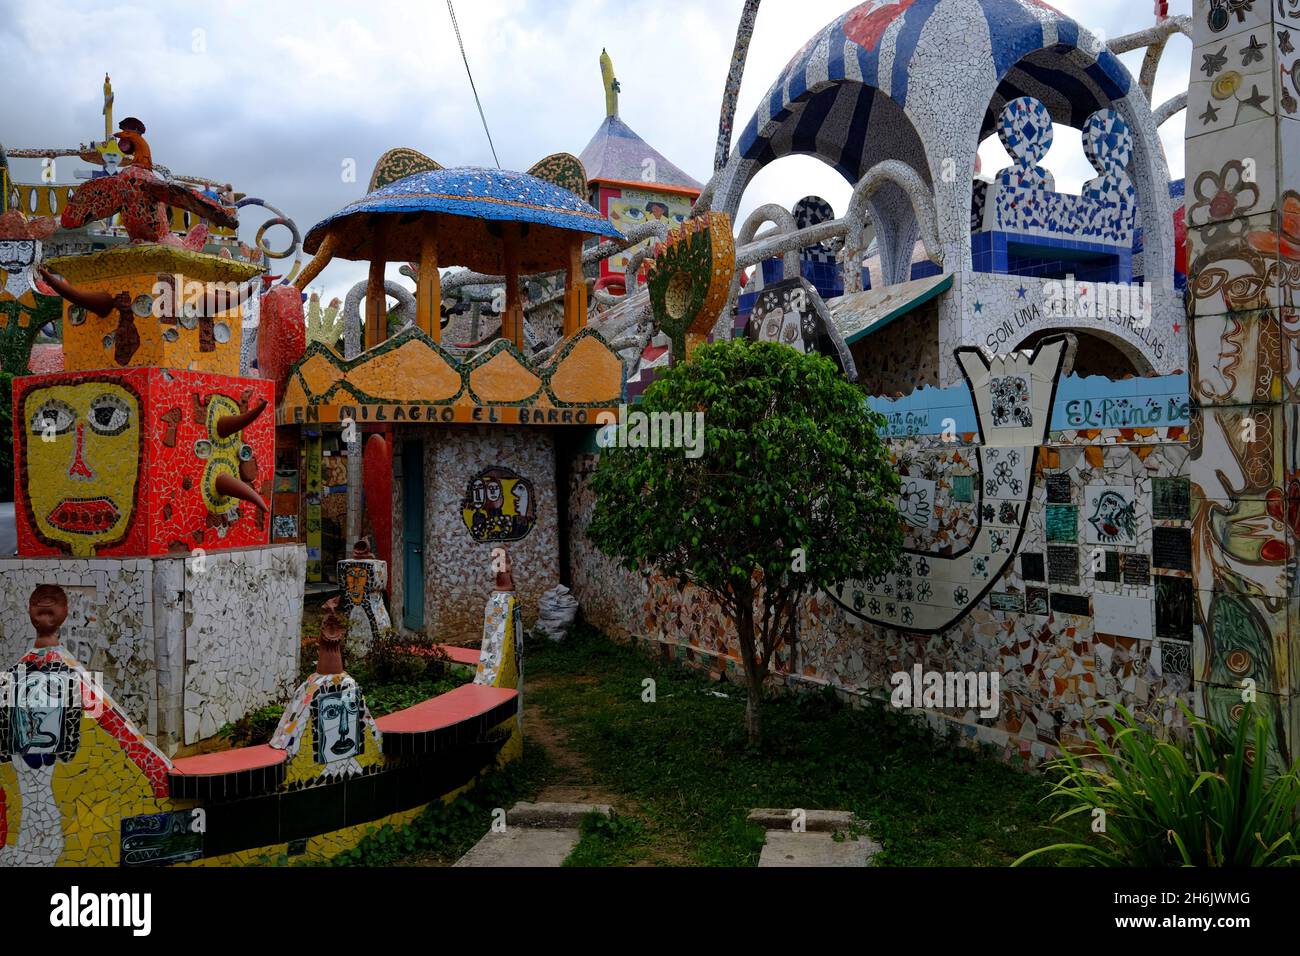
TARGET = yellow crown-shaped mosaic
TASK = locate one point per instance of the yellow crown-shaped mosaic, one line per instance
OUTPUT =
(186, 308)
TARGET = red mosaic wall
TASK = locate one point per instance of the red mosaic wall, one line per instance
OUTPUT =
(121, 463)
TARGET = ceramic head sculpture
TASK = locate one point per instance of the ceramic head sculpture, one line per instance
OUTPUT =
(48, 609)
(332, 632)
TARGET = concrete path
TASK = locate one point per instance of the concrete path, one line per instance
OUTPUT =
(817, 843)
(520, 847)
(536, 835)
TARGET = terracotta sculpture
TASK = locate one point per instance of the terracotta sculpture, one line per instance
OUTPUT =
(332, 632)
(501, 561)
(48, 609)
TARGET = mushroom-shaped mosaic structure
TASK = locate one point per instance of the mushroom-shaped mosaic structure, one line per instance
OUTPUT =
(492, 221)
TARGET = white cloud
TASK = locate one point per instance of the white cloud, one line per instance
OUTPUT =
(275, 96)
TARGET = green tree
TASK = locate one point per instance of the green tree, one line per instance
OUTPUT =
(792, 491)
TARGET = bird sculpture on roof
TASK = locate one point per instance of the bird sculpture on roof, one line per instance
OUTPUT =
(141, 195)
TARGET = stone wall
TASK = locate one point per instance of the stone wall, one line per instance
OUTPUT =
(902, 356)
(457, 566)
(243, 634)
(1017, 565)
(182, 650)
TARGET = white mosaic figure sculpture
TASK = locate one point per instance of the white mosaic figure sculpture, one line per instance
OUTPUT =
(1025, 129)
(362, 580)
(930, 592)
(500, 660)
(1108, 144)
(330, 708)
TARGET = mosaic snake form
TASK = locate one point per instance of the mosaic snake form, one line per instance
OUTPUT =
(930, 590)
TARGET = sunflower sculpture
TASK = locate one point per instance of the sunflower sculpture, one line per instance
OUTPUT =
(690, 280)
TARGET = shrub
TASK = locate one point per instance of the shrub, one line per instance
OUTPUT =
(792, 491)
(1209, 802)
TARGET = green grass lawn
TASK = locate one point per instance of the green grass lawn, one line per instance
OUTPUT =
(689, 779)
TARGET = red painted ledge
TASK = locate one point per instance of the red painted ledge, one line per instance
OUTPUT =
(464, 703)
(229, 761)
(461, 655)
(455, 653)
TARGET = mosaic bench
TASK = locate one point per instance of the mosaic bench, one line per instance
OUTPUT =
(229, 773)
(458, 717)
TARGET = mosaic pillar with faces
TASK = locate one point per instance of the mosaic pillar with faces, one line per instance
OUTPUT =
(1243, 219)
(361, 583)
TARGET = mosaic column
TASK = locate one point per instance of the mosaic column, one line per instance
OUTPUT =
(1243, 218)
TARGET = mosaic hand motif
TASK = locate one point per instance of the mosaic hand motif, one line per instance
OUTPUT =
(948, 585)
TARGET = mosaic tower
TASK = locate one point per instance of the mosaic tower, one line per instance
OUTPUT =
(143, 470)
(1243, 224)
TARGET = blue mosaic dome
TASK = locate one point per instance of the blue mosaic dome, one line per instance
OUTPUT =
(928, 56)
(471, 202)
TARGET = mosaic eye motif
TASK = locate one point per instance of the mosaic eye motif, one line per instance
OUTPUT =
(109, 414)
(54, 417)
(142, 306)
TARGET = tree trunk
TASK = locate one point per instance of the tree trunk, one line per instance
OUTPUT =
(753, 678)
(753, 719)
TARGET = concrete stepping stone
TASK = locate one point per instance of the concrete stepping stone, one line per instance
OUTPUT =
(816, 845)
(536, 835)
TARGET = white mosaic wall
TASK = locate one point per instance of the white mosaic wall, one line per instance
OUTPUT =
(457, 569)
(181, 652)
(243, 634)
(1058, 668)
(110, 625)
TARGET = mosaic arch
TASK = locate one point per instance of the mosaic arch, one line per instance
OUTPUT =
(945, 82)
(1100, 352)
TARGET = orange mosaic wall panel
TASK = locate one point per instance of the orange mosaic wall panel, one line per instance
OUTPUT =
(127, 463)
(185, 308)
(410, 378)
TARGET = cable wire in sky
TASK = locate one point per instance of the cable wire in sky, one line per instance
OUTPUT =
(456, 26)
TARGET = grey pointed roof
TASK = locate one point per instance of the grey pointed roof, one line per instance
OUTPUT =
(617, 154)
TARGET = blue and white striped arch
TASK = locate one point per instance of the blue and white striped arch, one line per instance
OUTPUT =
(825, 101)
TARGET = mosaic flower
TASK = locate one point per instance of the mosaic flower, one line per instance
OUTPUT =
(690, 279)
(1227, 194)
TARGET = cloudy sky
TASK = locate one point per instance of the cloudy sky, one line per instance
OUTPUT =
(283, 98)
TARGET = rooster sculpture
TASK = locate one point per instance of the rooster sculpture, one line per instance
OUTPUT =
(141, 195)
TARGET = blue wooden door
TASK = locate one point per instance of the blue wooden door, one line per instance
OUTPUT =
(413, 535)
